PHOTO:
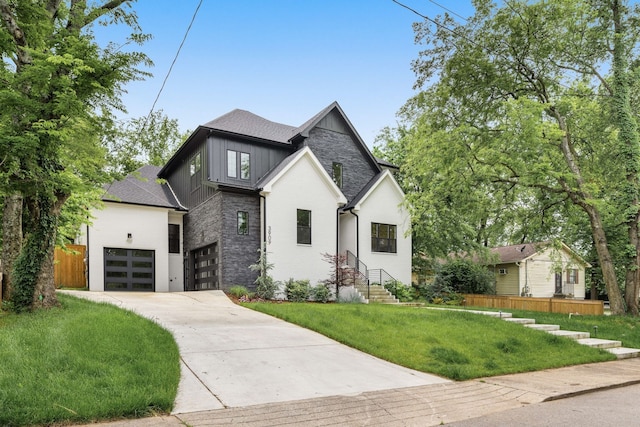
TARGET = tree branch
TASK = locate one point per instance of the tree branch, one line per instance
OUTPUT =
(7, 13)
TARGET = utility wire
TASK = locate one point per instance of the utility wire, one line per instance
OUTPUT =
(449, 10)
(193, 18)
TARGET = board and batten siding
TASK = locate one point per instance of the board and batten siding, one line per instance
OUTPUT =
(180, 180)
(263, 158)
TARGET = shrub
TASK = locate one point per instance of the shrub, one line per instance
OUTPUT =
(402, 292)
(465, 277)
(238, 291)
(297, 290)
(320, 293)
(266, 287)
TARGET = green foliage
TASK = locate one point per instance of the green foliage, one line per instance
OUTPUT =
(238, 291)
(402, 292)
(320, 293)
(297, 290)
(266, 287)
(454, 344)
(465, 277)
(58, 94)
(29, 263)
(82, 363)
(142, 141)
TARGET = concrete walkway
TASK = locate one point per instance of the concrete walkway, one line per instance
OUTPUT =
(235, 357)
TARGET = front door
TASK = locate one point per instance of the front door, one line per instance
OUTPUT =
(558, 283)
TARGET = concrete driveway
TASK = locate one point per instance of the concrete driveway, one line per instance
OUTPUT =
(232, 356)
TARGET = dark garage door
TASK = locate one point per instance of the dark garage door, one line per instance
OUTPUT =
(205, 268)
(129, 269)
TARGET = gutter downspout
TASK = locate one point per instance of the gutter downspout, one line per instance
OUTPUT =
(264, 220)
(357, 232)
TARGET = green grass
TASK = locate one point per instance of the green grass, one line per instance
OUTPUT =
(84, 362)
(621, 328)
(453, 344)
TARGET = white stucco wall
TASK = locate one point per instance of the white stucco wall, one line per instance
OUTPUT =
(149, 231)
(384, 205)
(301, 187)
(538, 271)
(348, 224)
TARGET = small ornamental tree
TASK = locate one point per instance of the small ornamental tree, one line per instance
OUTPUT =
(266, 287)
(340, 273)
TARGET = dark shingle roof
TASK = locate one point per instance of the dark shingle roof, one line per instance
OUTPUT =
(244, 122)
(515, 253)
(363, 191)
(142, 188)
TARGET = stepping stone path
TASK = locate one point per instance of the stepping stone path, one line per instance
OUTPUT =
(612, 346)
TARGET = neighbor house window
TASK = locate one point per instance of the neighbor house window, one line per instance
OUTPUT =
(337, 173)
(174, 239)
(383, 237)
(243, 222)
(572, 276)
(238, 164)
(304, 226)
(194, 171)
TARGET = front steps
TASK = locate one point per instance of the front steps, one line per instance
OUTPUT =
(584, 338)
(377, 294)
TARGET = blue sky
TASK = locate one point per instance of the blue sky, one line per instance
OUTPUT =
(284, 60)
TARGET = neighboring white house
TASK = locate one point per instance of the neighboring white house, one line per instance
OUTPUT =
(540, 270)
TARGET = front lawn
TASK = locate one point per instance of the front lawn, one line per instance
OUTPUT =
(452, 344)
(84, 362)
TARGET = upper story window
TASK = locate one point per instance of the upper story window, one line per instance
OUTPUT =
(238, 164)
(195, 167)
(383, 238)
(337, 173)
(243, 222)
(174, 238)
(304, 226)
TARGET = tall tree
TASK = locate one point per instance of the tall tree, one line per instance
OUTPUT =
(58, 88)
(530, 106)
(142, 141)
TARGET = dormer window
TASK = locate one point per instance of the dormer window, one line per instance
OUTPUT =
(238, 164)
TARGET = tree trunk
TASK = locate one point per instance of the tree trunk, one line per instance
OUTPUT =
(606, 263)
(11, 240)
(33, 269)
(44, 294)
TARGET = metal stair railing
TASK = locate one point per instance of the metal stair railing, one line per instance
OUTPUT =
(359, 271)
(384, 279)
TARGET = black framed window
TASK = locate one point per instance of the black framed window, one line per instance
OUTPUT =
(243, 222)
(383, 238)
(337, 173)
(174, 238)
(238, 164)
(304, 226)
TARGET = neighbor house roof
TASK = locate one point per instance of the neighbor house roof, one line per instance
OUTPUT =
(142, 187)
(521, 252)
(516, 253)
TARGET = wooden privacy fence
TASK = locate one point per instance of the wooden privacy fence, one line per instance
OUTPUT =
(69, 267)
(551, 305)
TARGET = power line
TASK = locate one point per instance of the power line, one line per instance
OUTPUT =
(164, 82)
(449, 10)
